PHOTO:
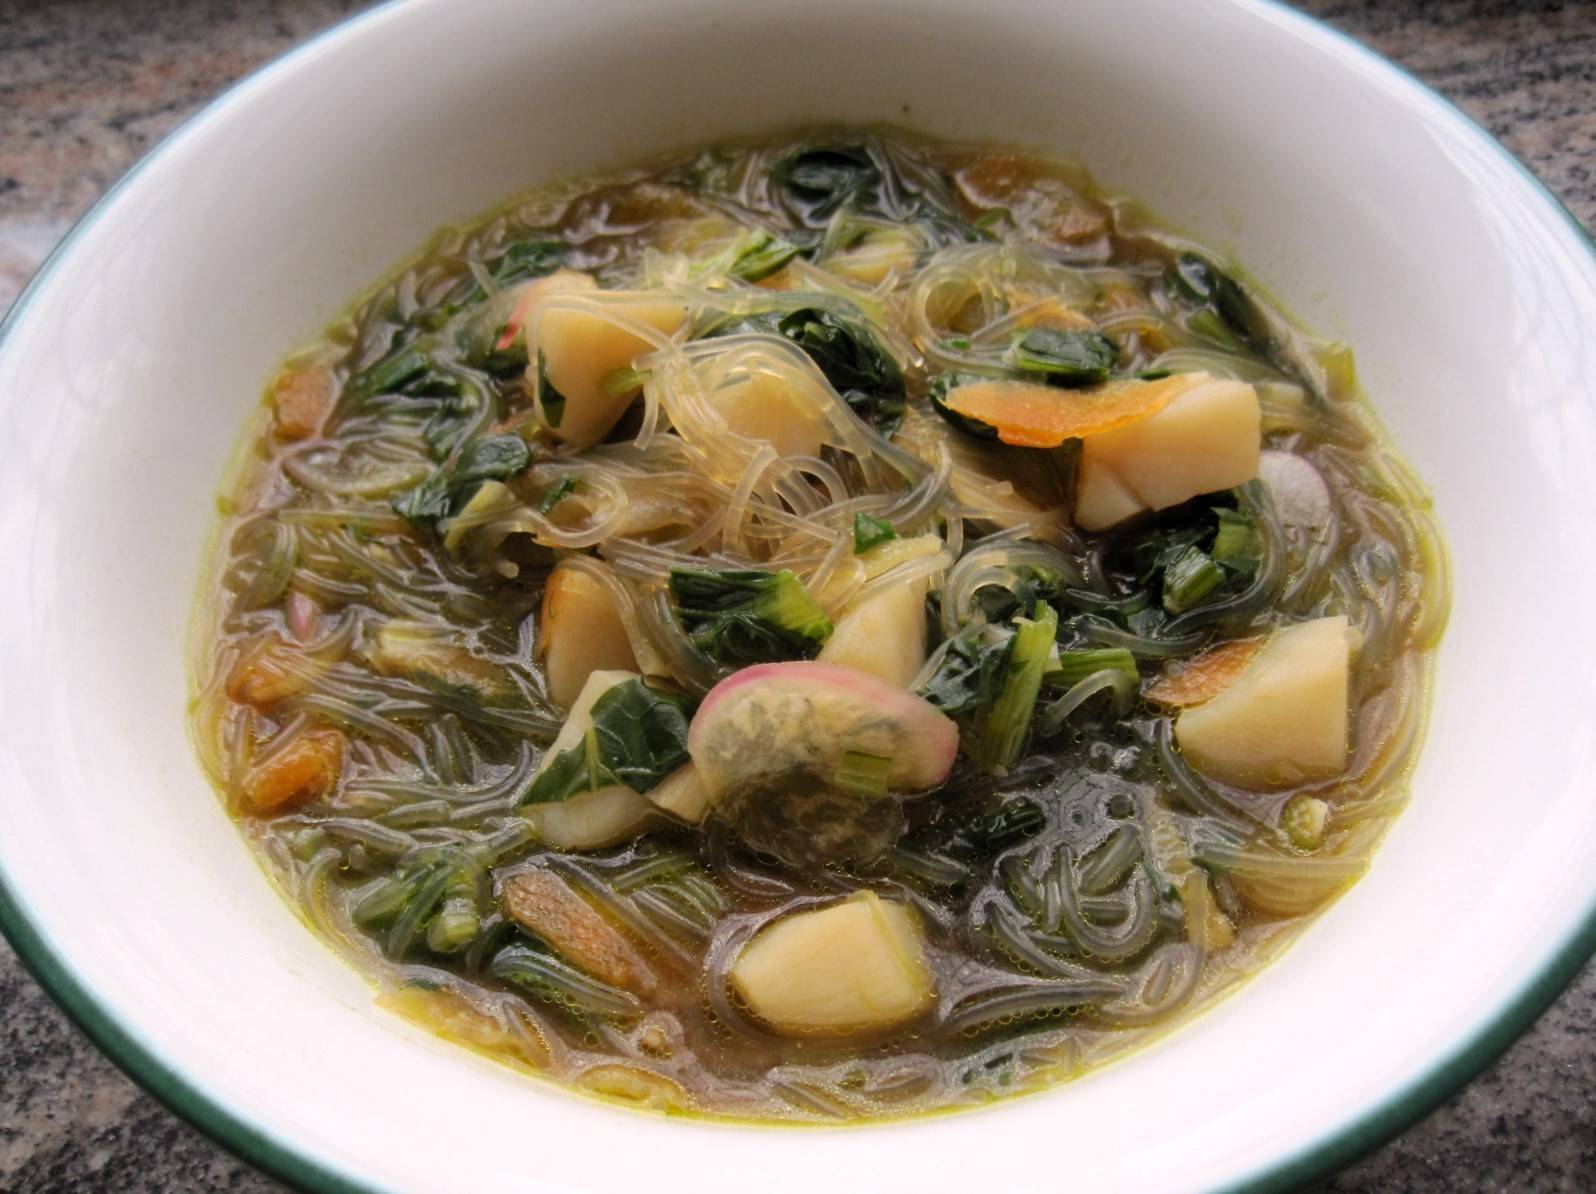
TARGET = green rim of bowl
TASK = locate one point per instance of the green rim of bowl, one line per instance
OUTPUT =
(1337, 1147)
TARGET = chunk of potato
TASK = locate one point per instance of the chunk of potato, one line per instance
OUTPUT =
(581, 349)
(1284, 718)
(580, 632)
(852, 967)
(306, 769)
(885, 635)
(548, 907)
(682, 794)
(876, 255)
(761, 406)
(271, 670)
(301, 400)
(1205, 440)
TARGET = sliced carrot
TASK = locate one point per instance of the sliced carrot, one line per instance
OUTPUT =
(1027, 415)
(301, 400)
(270, 671)
(1206, 676)
(306, 769)
(1042, 311)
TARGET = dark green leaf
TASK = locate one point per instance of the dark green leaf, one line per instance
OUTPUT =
(1199, 281)
(763, 258)
(1189, 578)
(638, 737)
(869, 532)
(1237, 546)
(847, 352)
(641, 732)
(970, 670)
(525, 259)
(1074, 358)
(451, 486)
(553, 400)
(749, 616)
(814, 183)
(556, 493)
(391, 374)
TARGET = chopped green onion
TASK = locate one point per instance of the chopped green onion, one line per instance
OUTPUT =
(1009, 723)
(1074, 666)
(622, 381)
(863, 773)
(556, 494)
(1238, 545)
(870, 532)
(1189, 578)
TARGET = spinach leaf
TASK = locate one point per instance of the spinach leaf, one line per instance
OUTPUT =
(749, 616)
(1074, 358)
(556, 494)
(1230, 311)
(764, 257)
(870, 532)
(638, 737)
(814, 183)
(525, 259)
(847, 353)
(970, 670)
(1027, 585)
(449, 487)
(553, 400)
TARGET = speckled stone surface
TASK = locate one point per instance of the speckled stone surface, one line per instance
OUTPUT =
(86, 86)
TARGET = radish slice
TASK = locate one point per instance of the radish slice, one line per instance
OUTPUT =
(776, 746)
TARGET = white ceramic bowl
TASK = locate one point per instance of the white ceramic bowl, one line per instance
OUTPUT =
(1373, 209)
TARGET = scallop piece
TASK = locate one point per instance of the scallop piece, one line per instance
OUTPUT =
(580, 633)
(854, 967)
(581, 349)
(1203, 441)
(1283, 719)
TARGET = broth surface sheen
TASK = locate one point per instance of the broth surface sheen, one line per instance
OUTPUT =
(828, 629)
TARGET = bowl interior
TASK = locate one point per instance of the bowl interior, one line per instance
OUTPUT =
(1367, 206)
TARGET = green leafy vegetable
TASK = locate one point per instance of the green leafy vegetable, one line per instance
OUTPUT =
(969, 670)
(1026, 586)
(853, 361)
(870, 532)
(1237, 546)
(749, 616)
(638, 737)
(1188, 578)
(556, 493)
(986, 835)
(1199, 281)
(523, 259)
(814, 183)
(863, 773)
(1075, 666)
(391, 374)
(1075, 358)
(451, 486)
(1009, 723)
(436, 897)
(553, 400)
(764, 257)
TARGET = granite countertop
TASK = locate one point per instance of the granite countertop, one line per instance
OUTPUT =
(86, 86)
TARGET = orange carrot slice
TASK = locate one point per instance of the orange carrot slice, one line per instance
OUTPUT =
(1206, 676)
(1027, 415)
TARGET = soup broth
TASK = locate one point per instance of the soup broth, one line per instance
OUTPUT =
(832, 628)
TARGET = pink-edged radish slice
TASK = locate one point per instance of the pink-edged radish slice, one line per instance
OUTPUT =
(810, 761)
